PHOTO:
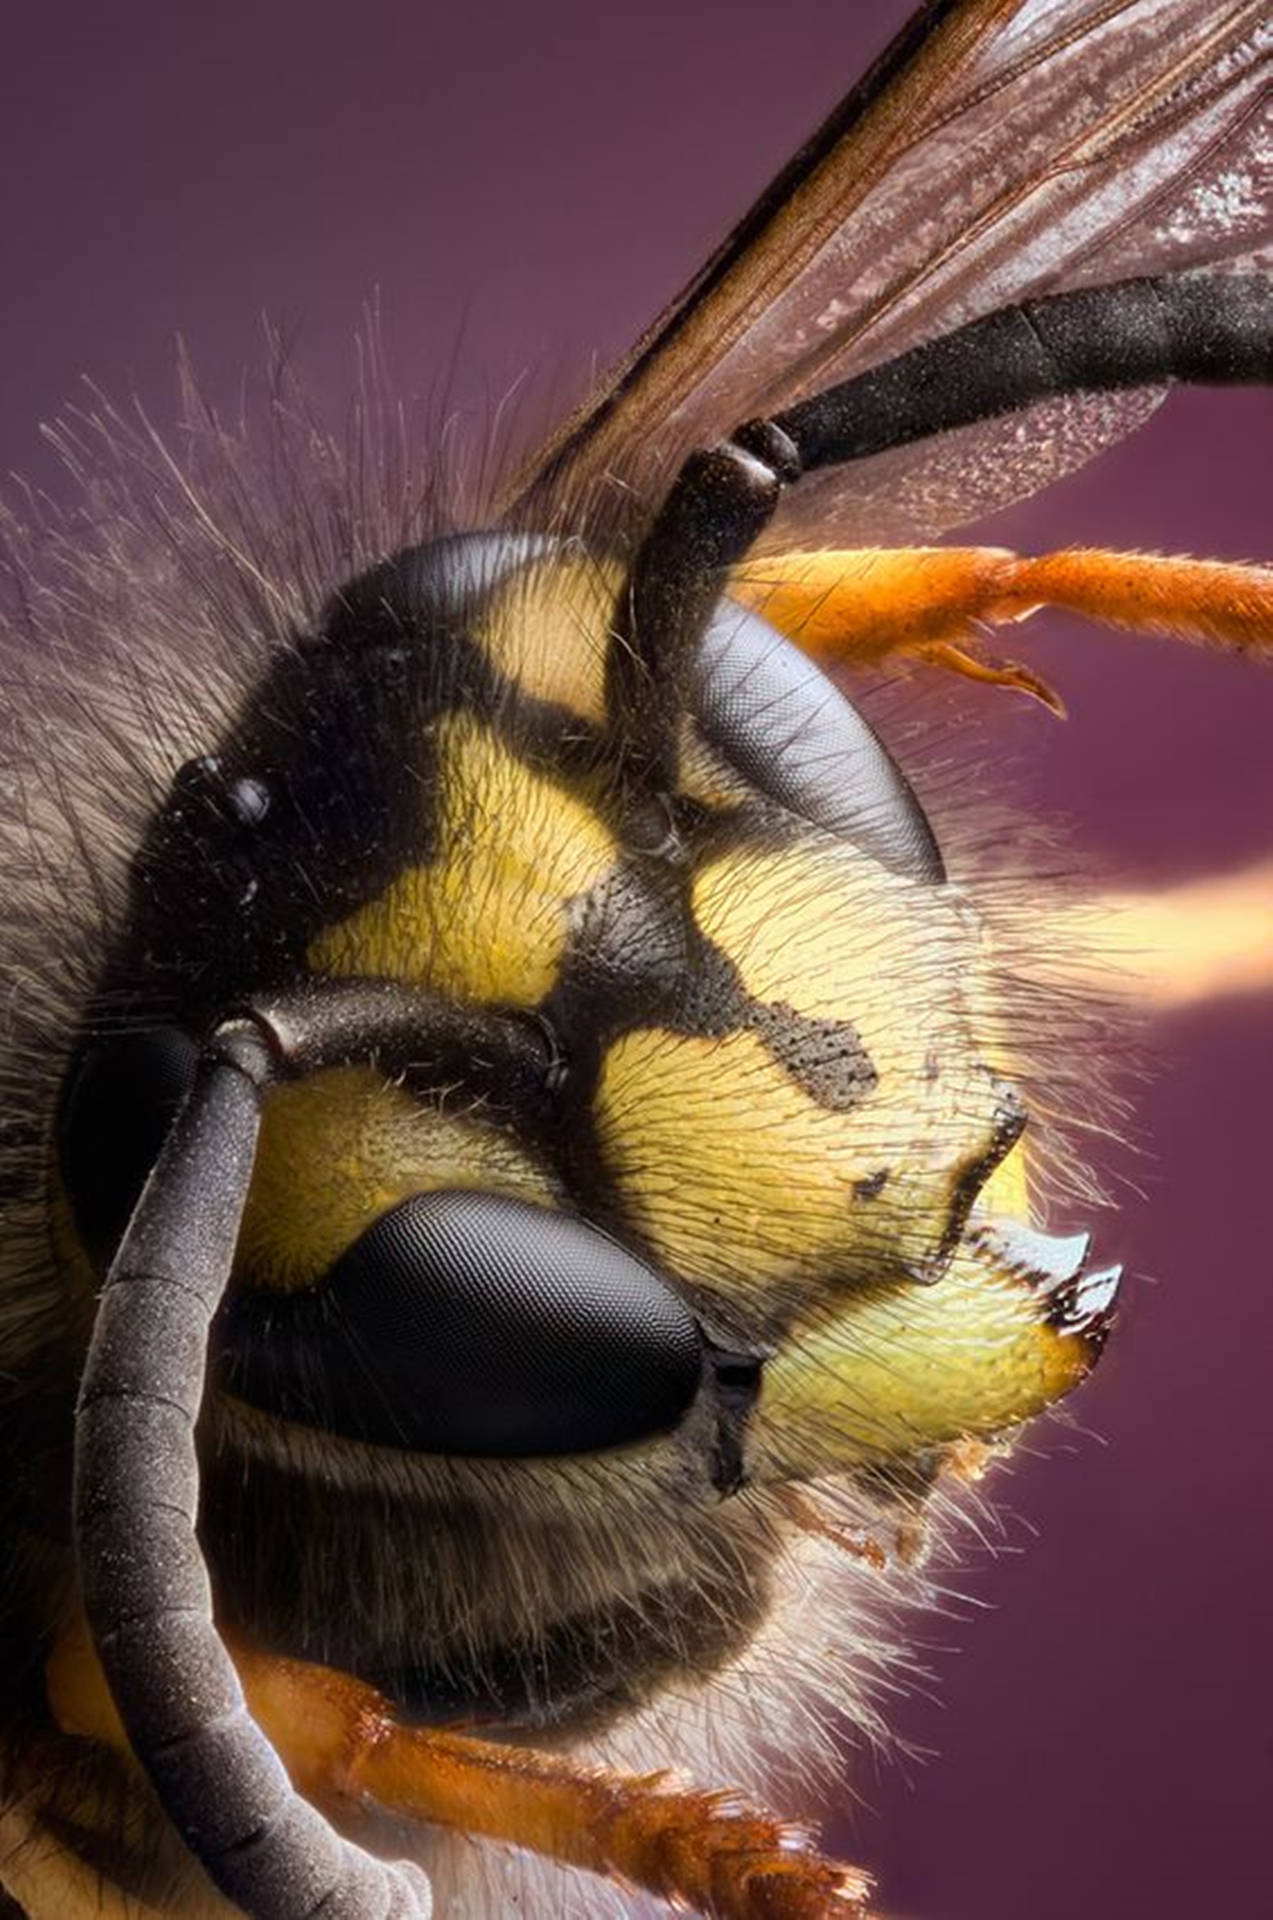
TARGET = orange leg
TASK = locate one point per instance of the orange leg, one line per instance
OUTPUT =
(863, 605)
(345, 1750)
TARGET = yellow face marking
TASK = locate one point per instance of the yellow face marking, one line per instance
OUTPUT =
(828, 931)
(725, 1161)
(741, 1180)
(489, 918)
(899, 1369)
(1006, 1194)
(339, 1148)
(547, 630)
(735, 1172)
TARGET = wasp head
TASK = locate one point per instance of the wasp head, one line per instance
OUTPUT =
(653, 1160)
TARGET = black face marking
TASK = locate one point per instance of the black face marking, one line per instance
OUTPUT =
(825, 1058)
(712, 1000)
(625, 961)
(872, 1186)
(628, 951)
(551, 738)
(1009, 1124)
(320, 791)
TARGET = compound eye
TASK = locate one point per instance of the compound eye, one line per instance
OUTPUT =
(120, 1101)
(467, 1323)
(777, 718)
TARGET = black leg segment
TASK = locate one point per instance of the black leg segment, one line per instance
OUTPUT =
(1206, 328)
(721, 500)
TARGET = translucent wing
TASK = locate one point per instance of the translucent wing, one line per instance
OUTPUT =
(999, 149)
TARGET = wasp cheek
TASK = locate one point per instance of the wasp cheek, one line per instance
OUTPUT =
(1016, 1322)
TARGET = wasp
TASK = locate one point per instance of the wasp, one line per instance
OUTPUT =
(533, 1169)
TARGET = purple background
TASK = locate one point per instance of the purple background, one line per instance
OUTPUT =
(532, 185)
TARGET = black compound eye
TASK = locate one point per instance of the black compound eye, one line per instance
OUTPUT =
(776, 717)
(121, 1099)
(467, 1323)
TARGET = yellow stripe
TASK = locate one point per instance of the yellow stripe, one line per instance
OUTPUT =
(547, 630)
(338, 1149)
(489, 918)
(741, 1181)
